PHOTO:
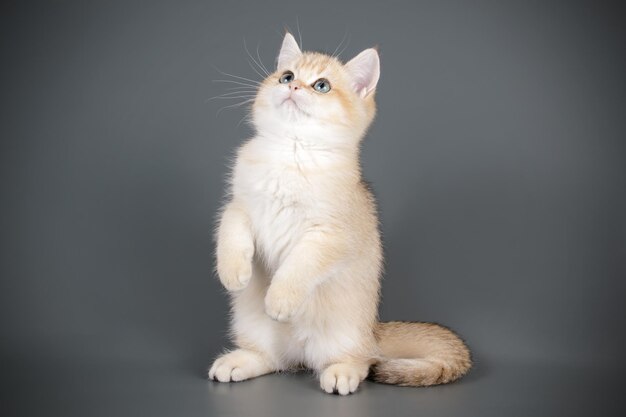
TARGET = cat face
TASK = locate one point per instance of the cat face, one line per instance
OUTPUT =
(315, 93)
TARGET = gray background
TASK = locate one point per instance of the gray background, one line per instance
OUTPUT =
(498, 159)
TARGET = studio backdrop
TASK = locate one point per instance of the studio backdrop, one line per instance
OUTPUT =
(497, 159)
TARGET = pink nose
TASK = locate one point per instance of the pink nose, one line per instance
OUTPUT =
(295, 85)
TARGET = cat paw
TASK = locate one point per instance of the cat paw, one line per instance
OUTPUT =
(282, 302)
(342, 378)
(235, 270)
(238, 365)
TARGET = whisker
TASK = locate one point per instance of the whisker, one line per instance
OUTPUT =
(242, 87)
(345, 46)
(236, 76)
(246, 117)
(255, 70)
(235, 93)
(334, 54)
(237, 82)
(229, 97)
(254, 60)
(239, 90)
(260, 60)
(299, 34)
(232, 106)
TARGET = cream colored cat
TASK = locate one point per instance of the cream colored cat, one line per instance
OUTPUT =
(298, 244)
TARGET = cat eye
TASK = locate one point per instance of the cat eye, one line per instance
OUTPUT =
(286, 78)
(322, 85)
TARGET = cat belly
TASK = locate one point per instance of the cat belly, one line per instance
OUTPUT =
(313, 344)
(253, 328)
(321, 334)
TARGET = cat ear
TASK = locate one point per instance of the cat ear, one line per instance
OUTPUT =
(289, 51)
(365, 71)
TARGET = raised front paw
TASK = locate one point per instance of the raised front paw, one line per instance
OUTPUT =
(283, 301)
(234, 269)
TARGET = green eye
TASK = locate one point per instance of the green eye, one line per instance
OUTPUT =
(322, 85)
(286, 78)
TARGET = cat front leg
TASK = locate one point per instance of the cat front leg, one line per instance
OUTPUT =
(307, 265)
(284, 298)
(343, 378)
(239, 365)
(235, 247)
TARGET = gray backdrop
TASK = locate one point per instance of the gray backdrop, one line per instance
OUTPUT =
(497, 157)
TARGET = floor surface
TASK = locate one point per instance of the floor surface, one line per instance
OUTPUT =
(86, 386)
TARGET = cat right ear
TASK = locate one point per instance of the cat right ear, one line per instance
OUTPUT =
(289, 51)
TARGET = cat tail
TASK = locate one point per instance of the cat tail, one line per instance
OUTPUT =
(419, 354)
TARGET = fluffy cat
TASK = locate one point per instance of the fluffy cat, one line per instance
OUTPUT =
(298, 245)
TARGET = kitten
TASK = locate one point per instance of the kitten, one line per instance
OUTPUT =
(298, 244)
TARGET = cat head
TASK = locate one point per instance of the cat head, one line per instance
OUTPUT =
(315, 95)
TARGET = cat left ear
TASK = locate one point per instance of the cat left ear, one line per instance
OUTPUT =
(289, 51)
(365, 71)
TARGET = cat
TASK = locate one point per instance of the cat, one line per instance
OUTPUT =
(298, 245)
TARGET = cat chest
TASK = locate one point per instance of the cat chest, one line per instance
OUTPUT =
(279, 202)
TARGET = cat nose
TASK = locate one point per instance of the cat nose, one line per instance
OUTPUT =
(295, 85)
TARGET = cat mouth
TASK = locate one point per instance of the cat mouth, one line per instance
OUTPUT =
(292, 104)
(290, 101)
